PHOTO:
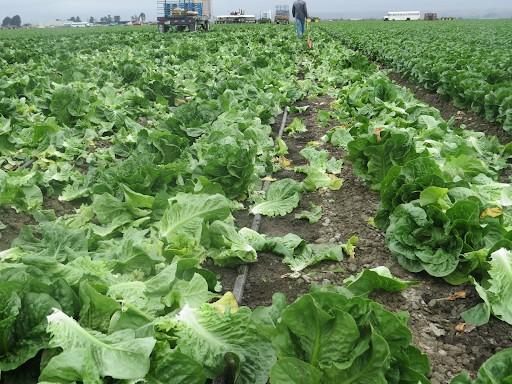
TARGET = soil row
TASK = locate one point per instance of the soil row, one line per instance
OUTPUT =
(434, 315)
(434, 311)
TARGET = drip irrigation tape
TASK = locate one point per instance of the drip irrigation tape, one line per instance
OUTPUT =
(243, 271)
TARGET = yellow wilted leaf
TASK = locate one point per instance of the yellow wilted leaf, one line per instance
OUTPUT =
(377, 133)
(457, 296)
(268, 178)
(284, 162)
(226, 303)
(492, 212)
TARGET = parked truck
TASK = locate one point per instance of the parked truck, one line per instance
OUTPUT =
(183, 15)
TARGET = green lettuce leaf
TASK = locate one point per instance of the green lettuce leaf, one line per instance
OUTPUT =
(340, 137)
(23, 327)
(337, 338)
(229, 247)
(321, 170)
(282, 197)
(19, 189)
(88, 356)
(379, 278)
(187, 213)
(290, 370)
(311, 254)
(296, 126)
(173, 367)
(193, 293)
(496, 291)
(299, 255)
(313, 215)
(208, 336)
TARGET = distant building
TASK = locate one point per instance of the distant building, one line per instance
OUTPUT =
(66, 24)
(236, 19)
(430, 16)
(78, 24)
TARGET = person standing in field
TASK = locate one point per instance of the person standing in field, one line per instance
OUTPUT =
(300, 12)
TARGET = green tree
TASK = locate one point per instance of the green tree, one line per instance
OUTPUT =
(16, 21)
(6, 22)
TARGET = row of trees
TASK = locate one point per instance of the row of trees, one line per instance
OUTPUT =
(12, 22)
(111, 20)
(105, 19)
(15, 21)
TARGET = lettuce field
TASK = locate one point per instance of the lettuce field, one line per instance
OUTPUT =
(231, 207)
(467, 62)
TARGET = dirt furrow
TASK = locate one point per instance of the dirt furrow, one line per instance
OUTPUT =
(347, 212)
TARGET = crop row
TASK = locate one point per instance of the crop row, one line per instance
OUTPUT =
(444, 206)
(157, 144)
(468, 62)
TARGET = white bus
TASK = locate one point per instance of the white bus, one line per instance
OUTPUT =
(403, 16)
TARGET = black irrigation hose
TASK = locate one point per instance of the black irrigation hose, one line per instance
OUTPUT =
(243, 271)
(26, 164)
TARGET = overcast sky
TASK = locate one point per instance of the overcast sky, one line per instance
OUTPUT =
(46, 10)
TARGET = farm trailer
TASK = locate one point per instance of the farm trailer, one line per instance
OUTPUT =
(182, 15)
(282, 14)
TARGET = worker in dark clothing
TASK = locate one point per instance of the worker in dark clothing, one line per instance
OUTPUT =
(300, 12)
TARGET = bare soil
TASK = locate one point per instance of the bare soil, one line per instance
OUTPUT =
(61, 208)
(433, 318)
(13, 222)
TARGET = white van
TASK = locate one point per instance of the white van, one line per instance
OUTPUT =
(403, 16)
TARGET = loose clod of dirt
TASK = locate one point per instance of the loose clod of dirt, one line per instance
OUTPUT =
(433, 305)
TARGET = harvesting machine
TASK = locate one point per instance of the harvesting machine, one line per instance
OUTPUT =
(182, 15)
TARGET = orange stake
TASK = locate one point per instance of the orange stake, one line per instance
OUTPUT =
(310, 40)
